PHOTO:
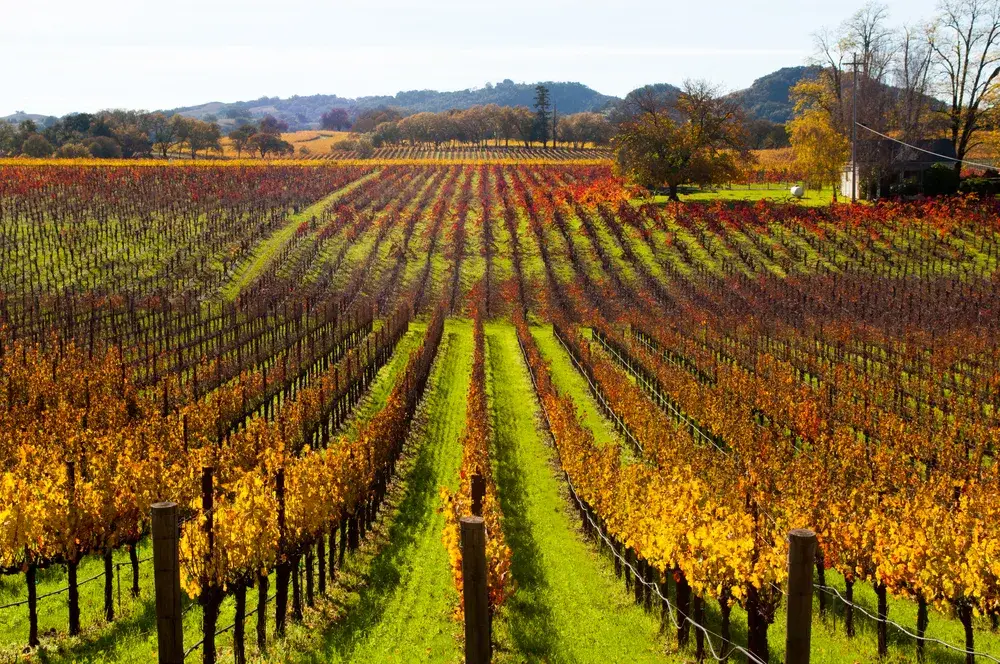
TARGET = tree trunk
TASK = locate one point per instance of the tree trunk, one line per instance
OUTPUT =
(109, 586)
(849, 608)
(30, 580)
(310, 561)
(296, 589)
(726, 609)
(239, 644)
(683, 609)
(73, 600)
(922, 621)
(965, 615)
(281, 597)
(321, 562)
(262, 582)
(133, 556)
(821, 579)
(211, 599)
(883, 614)
(673, 194)
(699, 635)
(756, 626)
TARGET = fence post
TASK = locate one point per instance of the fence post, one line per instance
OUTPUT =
(167, 580)
(801, 559)
(478, 494)
(478, 641)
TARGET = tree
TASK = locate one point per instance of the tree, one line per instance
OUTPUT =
(267, 143)
(543, 114)
(335, 119)
(240, 137)
(73, 151)
(134, 141)
(512, 119)
(272, 125)
(368, 120)
(36, 146)
(104, 147)
(820, 149)
(582, 128)
(197, 135)
(8, 136)
(387, 133)
(698, 139)
(163, 132)
(866, 37)
(911, 75)
(965, 41)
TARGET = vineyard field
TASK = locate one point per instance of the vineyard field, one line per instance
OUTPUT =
(327, 364)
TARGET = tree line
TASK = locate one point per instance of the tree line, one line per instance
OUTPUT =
(489, 124)
(124, 134)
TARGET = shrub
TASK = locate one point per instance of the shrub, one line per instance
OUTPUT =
(344, 145)
(985, 186)
(905, 188)
(104, 147)
(365, 147)
(940, 180)
(36, 146)
(73, 151)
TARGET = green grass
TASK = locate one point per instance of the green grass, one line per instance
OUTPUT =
(568, 606)
(399, 597)
(754, 193)
(829, 642)
(267, 248)
(569, 381)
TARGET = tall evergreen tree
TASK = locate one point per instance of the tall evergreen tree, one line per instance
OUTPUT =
(542, 114)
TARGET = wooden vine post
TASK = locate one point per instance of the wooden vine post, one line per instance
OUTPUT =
(801, 559)
(478, 641)
(73, 594)
(167, 583)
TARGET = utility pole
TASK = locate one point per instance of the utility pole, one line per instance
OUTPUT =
(854, 130)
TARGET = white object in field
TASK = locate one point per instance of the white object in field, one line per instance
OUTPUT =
(798, 191)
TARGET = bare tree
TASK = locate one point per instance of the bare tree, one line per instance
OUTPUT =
(911, 76)
(866, 36)
(964, 40)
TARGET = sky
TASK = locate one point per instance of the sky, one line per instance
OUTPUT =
(62, 56)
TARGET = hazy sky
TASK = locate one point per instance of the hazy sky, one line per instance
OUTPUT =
(58, 56)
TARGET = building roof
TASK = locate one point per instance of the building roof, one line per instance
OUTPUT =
(886, 151)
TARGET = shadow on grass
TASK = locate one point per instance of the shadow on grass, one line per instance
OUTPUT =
(385, 571)
(527, 613)
(139, 625)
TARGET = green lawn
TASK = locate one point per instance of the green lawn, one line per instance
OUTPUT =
(753, 193)
(568, 606)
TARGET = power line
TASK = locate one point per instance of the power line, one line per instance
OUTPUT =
(918, 149)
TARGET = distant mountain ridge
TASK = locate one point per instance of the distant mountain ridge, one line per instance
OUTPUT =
(766, 98)
(303, 112)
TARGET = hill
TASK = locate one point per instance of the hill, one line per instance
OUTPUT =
(303, 112)
(767, 98)
(21, 116)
